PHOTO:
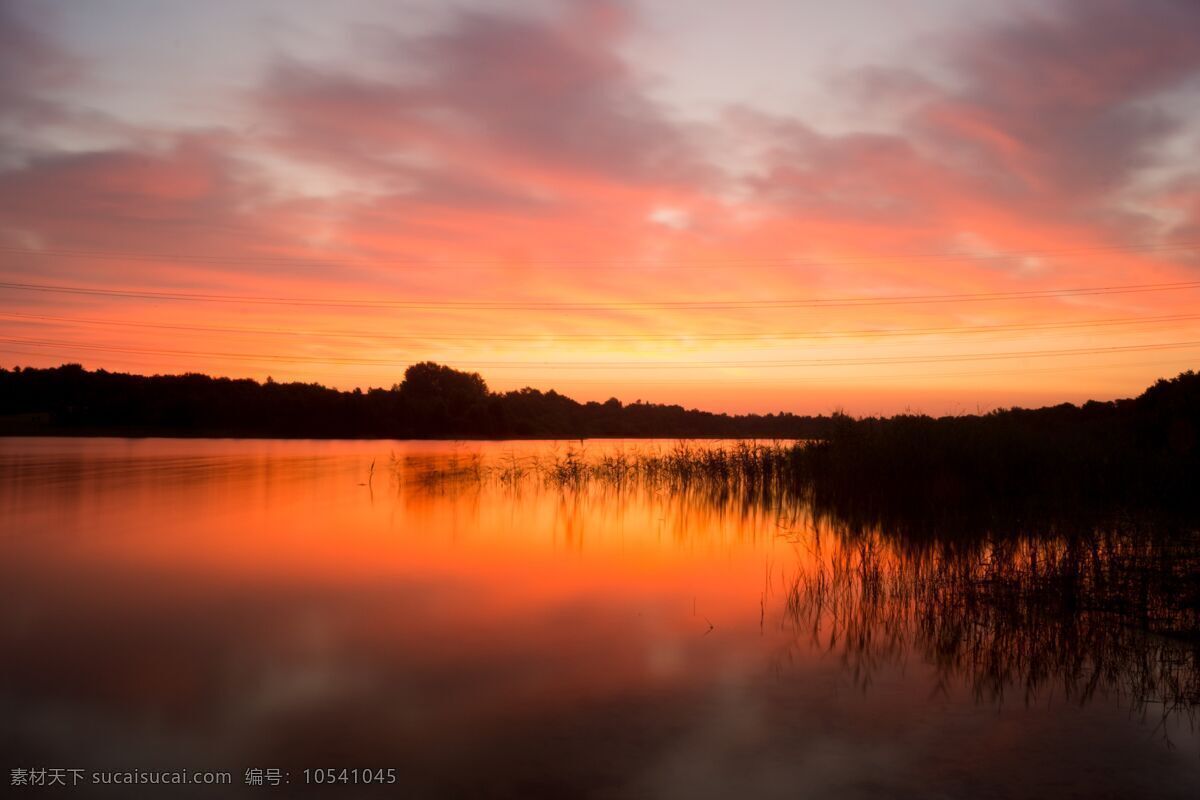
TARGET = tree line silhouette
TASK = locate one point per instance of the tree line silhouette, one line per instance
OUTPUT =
(433, 401)
(907, 472)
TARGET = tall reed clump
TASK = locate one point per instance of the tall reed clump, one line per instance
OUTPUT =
(741, 467)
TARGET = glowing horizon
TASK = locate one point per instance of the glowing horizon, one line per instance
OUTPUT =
(959, 212)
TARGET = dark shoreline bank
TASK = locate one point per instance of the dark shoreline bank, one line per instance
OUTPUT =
(1141, 453)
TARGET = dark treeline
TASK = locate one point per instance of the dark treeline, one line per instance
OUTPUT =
(907, 473)
(432, 401)
(916, 473)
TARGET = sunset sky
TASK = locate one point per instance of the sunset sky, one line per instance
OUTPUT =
(939, 205)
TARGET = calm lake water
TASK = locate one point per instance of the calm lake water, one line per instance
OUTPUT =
(228, 605)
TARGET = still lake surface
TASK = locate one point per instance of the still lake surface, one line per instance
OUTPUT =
(224, 604)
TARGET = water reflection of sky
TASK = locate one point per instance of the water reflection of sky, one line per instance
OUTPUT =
(230, 604)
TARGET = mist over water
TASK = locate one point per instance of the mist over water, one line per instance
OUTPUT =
(442, 609)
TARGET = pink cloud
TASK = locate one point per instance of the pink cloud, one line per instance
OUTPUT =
(532, 146)
(533, 94)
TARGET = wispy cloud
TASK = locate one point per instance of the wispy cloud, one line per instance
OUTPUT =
(519, 155)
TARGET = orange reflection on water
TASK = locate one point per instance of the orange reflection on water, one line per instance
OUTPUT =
(222, 604)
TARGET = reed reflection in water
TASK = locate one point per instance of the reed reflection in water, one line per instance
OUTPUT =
(1114, 612)
(491, 626)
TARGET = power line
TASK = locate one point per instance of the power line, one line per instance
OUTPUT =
(717, 337)
(577, 263)
(589, 365)
(1031, 294)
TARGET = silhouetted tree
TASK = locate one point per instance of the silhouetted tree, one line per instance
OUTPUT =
(440, 398)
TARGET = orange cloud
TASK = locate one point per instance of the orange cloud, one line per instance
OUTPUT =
(525, 161)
